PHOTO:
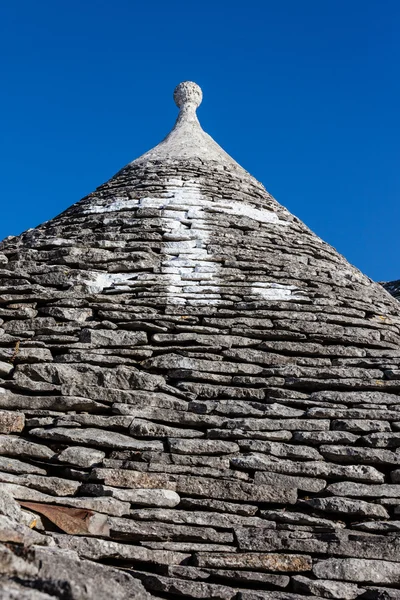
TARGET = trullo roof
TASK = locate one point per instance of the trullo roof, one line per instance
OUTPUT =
(199, 397)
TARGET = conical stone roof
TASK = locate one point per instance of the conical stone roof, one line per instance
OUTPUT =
(199, 397)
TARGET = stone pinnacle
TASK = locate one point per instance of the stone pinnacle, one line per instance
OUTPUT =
(188, 93)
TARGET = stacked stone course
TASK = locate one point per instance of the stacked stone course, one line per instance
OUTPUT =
(199, 398)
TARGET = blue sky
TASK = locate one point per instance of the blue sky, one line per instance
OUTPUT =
(305, 95)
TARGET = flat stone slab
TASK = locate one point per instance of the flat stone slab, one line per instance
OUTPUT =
(354, 569)
(196, 486)
(96, 437)
(269, 562)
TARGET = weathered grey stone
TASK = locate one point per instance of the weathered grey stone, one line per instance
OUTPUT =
(250, 424)
(23, 327)
(12, 465)
(317, 438)
(17, 533)
(264, 358)
(51, 377)
(28, 355)
(13, 591)
(352, 413)
(102, 505)
(11, 422)
(5, 368)
(69, 314)
(144, 497)
(326, 588)
(100, 549)
(204, 518)
(360, 490)
(188, 546)
(186, 468)
(250, 577)
(81, 457)
(101, 338)
(227, 490)
(345, 506)
(54, 403)
(382, 440)
(134, 479)
(259, 595)
(354, 569)
(247, 510)
(254, 461)
(196, 486)
(323, 469)
(88, 420)
(360, 425)
(268, 562)
(379, 526)
(137, 398)
(84, 579)
(308, 484)
(179, 418)
(360, 455)
(206, 391)
(142, 428)
(13, 446)
(46, 484)
(97, 437)
(355, 397)
(297, 518)
(175, 361)
(381, 593)
(187, 588)
(8, 506)
(127, 529)
(14, 566)
(281, 450)
(242, 408)
(268, 540)
(238, 434)
(337, 543)
(184, 446)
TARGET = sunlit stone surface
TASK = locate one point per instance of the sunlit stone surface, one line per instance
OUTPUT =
(196, 388)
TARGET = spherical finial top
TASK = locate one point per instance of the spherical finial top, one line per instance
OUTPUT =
(188, 92)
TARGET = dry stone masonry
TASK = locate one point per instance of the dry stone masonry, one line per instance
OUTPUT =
(199, 398)
(393, 287)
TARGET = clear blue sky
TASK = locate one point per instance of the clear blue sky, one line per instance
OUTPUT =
(304, 94)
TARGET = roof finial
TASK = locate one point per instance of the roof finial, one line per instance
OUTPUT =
(188, 93)
(187, 140)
